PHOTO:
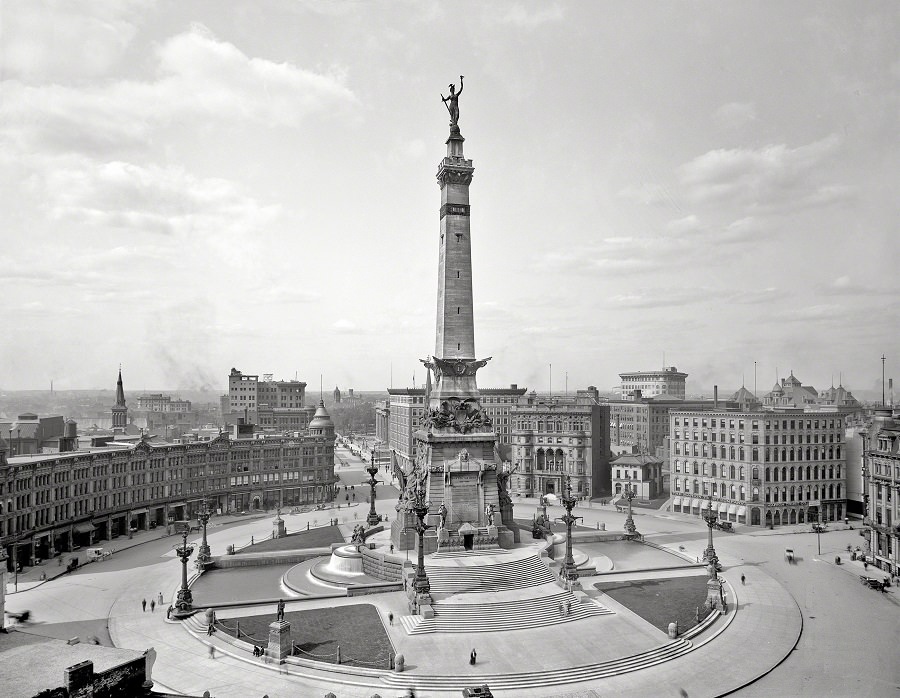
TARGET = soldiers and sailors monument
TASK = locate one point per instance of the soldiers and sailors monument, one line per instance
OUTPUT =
(456, 464)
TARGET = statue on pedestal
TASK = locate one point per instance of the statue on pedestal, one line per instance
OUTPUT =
(452, 102)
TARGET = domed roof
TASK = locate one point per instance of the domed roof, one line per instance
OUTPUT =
(321, 419)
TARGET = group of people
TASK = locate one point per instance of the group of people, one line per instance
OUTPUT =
(565, 609)
(153, 602)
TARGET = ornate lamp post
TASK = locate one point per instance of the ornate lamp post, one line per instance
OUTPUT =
(569, 571)
(204, 559)
(710, 516)
(184, 601)
(630, 528)
(372, 518)
(421, 585)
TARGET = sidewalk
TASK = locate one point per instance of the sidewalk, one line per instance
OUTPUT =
(30, 577)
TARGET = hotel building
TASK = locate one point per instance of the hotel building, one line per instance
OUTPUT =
(759, 467)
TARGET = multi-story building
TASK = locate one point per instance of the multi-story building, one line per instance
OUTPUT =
(52, 502)
(640, 472)
(498, 403)
(642, 424)
(406, 407)
(881, 470)
(669, 381)
(272, 404)
(759, 467)
(382, 422)
(158, 402)
(790, 392)
(556, 437)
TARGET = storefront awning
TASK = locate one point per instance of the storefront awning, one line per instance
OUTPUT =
(742, 511)
(175, 505)
(732, 509)
(723, 508)
(139, 511)
(676, 502)
(85, 527)
(695, 503)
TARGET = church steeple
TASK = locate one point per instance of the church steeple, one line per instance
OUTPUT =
(120, 409)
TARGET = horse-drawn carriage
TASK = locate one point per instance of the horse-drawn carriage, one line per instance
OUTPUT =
(876, 584)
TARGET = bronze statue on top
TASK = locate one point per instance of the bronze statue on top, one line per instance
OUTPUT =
(452, 102)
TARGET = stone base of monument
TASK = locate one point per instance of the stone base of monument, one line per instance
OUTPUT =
(426, 610)
(280, 645)
(278, 530)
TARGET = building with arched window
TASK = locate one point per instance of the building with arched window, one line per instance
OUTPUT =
(556, 437)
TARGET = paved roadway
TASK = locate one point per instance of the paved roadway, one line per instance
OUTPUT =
(848, 646)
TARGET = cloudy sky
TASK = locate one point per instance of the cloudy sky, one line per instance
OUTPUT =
(190, 186)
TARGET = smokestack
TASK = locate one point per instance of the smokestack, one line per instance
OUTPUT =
(715, 397)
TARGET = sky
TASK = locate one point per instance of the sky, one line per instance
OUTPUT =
(187, 187)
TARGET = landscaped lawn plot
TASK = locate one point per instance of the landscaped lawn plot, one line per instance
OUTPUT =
(313, 538)
(661, 601)
(358, 630)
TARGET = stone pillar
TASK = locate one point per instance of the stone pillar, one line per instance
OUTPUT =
(280, 644)
(278, 530)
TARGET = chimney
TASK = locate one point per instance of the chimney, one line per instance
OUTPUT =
(715, 397)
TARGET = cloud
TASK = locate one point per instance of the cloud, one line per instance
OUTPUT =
(845, 286)
(344, 326)
(161, 200)
(734, 115)
(198, 78)
(52, 42)
(529, 18)
(659, 298)
(774, 177)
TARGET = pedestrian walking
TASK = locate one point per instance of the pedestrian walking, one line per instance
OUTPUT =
(212, 652)
(390, 618)
(144, 605)
(472, 657)
(392, 548)
(743, 579)
(562, 609)
(568, 607)
(152, 605)
(160, 599)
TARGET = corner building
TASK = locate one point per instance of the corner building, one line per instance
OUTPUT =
(555, 437)
(882, 468)
(759, 468)
(54, 502)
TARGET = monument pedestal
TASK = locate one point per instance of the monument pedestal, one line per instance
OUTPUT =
(280, 645)
(278, 530)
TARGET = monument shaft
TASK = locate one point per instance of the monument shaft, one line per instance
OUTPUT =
(455, 336)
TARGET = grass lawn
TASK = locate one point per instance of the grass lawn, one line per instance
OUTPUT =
(358, 630)
(320, 537)
(661, 601)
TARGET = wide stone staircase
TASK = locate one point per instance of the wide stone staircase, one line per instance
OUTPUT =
(501, 616)
(552, 678)
(501, 576)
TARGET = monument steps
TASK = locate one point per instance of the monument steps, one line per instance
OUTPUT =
(503, 576)
(501, 616)
(552, 678)
(468, 553)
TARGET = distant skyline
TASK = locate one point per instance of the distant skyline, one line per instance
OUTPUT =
(190, 187)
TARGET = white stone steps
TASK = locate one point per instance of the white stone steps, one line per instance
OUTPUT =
(552, 678)
(469, 553)
(501, 576)
(501, 616)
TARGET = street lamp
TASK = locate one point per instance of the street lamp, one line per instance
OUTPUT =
(184, 601)
(372, 518)
(204, 559)
(421, 585)
(629, 494)
(569, 570)
(710, 516)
